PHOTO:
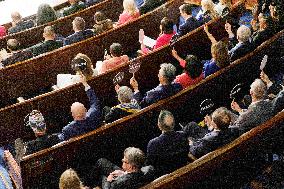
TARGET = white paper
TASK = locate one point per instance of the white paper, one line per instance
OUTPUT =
(64, 80)
(149, 42)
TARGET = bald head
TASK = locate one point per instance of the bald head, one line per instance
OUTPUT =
(78, 111)
(16, 17)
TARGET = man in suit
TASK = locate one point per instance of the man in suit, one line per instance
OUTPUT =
(80, 32)
(148, 5)
(75, 6)
(219, 136)
(129, 176)
(259, 111)
(84, 121)
(240, 45)
(49, 43)
(190, 22)
(18, 24)
(165, 89)
(16, 54)
(169, 151)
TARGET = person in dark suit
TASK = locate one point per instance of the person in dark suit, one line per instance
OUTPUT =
(165, 89)
(278, 102)
(219, 136)
(126, 107)
(49, 43)
(35, 121)
(17, 55)
(240, 45)
(75, 6)
(259, 111)
(129, 176)
(149, 5)
(80, 32)
(18, 24)
(190, 22)
(169, 151)
(84, 120)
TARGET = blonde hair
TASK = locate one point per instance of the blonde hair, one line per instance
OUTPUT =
(88, 72)
(227, 3)
(219, 52)
(70, 180)
(130, 6)
(208, 5)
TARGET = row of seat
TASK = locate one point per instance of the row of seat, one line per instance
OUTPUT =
(57, 116)
(63, 26)
(41, 72)
(136, 130)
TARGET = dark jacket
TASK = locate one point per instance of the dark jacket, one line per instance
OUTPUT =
(128, 181)
(168, 152)
(93, 119)
(156, 94)
(20, 26)
(17, 57)
(45, 46)
(121, 110)
(74, 8)
(78, 36)
(211, 142)
(150, 5)
(261, 36)
(189, 25)
(256, 114)
(239, 49)
(41, 143)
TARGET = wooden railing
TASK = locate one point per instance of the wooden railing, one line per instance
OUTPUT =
(57, 116)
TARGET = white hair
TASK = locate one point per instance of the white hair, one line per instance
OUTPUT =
(243, 33)
(258, 89)
(168, 71)
(124, 94)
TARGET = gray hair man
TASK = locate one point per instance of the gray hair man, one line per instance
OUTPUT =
(165, 89)
(129, 176)
(259, 111)
(126, 107)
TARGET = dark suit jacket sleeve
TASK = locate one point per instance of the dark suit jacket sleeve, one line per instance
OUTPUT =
(150, 154)
(232, 42)
(278, 102)
(94, 111)
(200, 148)
(116, 184)
(149, 98)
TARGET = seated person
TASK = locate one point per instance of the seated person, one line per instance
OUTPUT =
(259, 111)
(129, 176)
(221, 134)
(207, 12)
(150, 5)
(69, 179)
(169, 151)
(49, 43)
(219, 53)
(45, 14)
(223, 7)
(167, 32)
(84, 121)
(80, 32)
(114, 59)
(190, 22)
(129, 13)
(16, 55)
(35, 121)
(102, 24)
(18, 24)
(165, 89)
(264, 32)
(126, 107)
(241, 44)
(2, 31)
(193, 70)
(92, 2)
(10, 172)
(278, 102)
(75, 6)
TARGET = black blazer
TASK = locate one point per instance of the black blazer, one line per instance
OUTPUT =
(189, 25)
(78, 36)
